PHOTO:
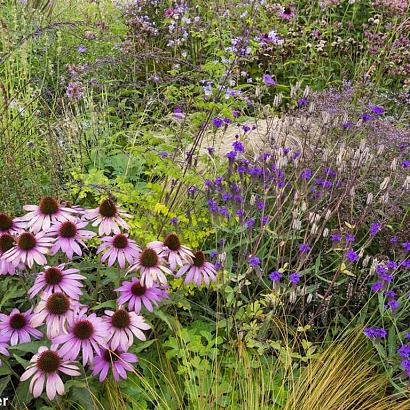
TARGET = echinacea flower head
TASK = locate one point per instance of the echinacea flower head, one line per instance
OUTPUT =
(10, 226)
(6, 243)
(29, 248)
(199, 271)
(122, 326)
(118, 248)
(119, 362)
(3, 347)
(57, 279)
(286, 13)
(151, 267)
(84, 333)
(54, 310)
(108, 217)
(69, 235)
(42, 216)
(16, 327)
(173, 251)
(137, 295)
(44, 370)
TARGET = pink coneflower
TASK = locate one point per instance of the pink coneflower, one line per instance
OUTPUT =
(70, 236)
(16, 327)
(43, 215)
(118, 360)
(122, 326)
(10, 226)
(29, 248)
(3, 347)
(57, 279)
(44, 369)
(86, 333)
(136, 294)
(54, 310)
(108, 217)
(175, 253)
(118, 247)
(6, 243)
(286, 12)
(151, 267)
(200, 270)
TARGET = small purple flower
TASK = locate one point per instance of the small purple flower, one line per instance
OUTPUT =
(377, 287)
(213, 254)
(393, 239)
(350, 238)
(404, 351)
(374, 333)
(178, 113)
(268, 80)
(81, 49)
(352, 256)
(366, 117)
(406, 246)
(405, 163)
(393, 304)
(375, 228)
(306, 174)
(250, 222)
(192, 190)
(227, 120)
(304, 248)
(275, 276)
(336, 237)
(174, 220)
(347, 125)
(254, 261)
(218, 122)
(377, 110)
(294, 278)
(303, 101)
(231, 155)
(238, 146)
(246, 128)
(265, 220)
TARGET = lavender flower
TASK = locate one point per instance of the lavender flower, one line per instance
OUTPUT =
(275, 276)
(294, 278)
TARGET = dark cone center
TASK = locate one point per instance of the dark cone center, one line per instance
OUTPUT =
(199, 259)
(48, 205)
(149, 258)
(48, 361)
(108, 208)
(137, 289)
(172, 242)
(6, 222)
(53, 276)
(58, 304)
(121, 319)
(120, 241)
(83, 329)
(68, 230)
(6, 242)
(26, 241)
(17, 321)
(110, 356)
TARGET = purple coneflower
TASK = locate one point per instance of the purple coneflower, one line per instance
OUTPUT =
(136, 295)
(118, 360)
(3, 347)
(120, 248)
(151, 266)
(108, 217)
(69, 237)
(286, 13)
(85, 333)
(10, 226)
(199, 271)
(122, 326)
(174, 252)
(6, 243)
(57, 279)
(16, 327)
(54, 310)
(29, 248)
(46, 364)
(43, 215)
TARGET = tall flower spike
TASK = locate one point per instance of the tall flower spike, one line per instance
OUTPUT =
(108, 217)
(29, 248)
(44, 370)
(151, 266)
(43, 215)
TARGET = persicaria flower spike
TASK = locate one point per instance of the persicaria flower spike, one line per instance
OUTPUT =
(44, 370)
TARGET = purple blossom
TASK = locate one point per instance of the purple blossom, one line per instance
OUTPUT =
(352, 256)
(375, 228)
(306, 174)
(350, 238)
(275, 276)
(265, 220)
(174, 220)
(366, 117)
(231, 155)
(238, 146)
(254, 261)
(404, 351)
(304, 248)
(218, 122)
(246, 128)
(377, 110)
(268, 80)
(374, 333)
(81, 49)
(406, 246)
(303, 101)
(250, 222)
(294, 278)
(377, 287)
(336, 237)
